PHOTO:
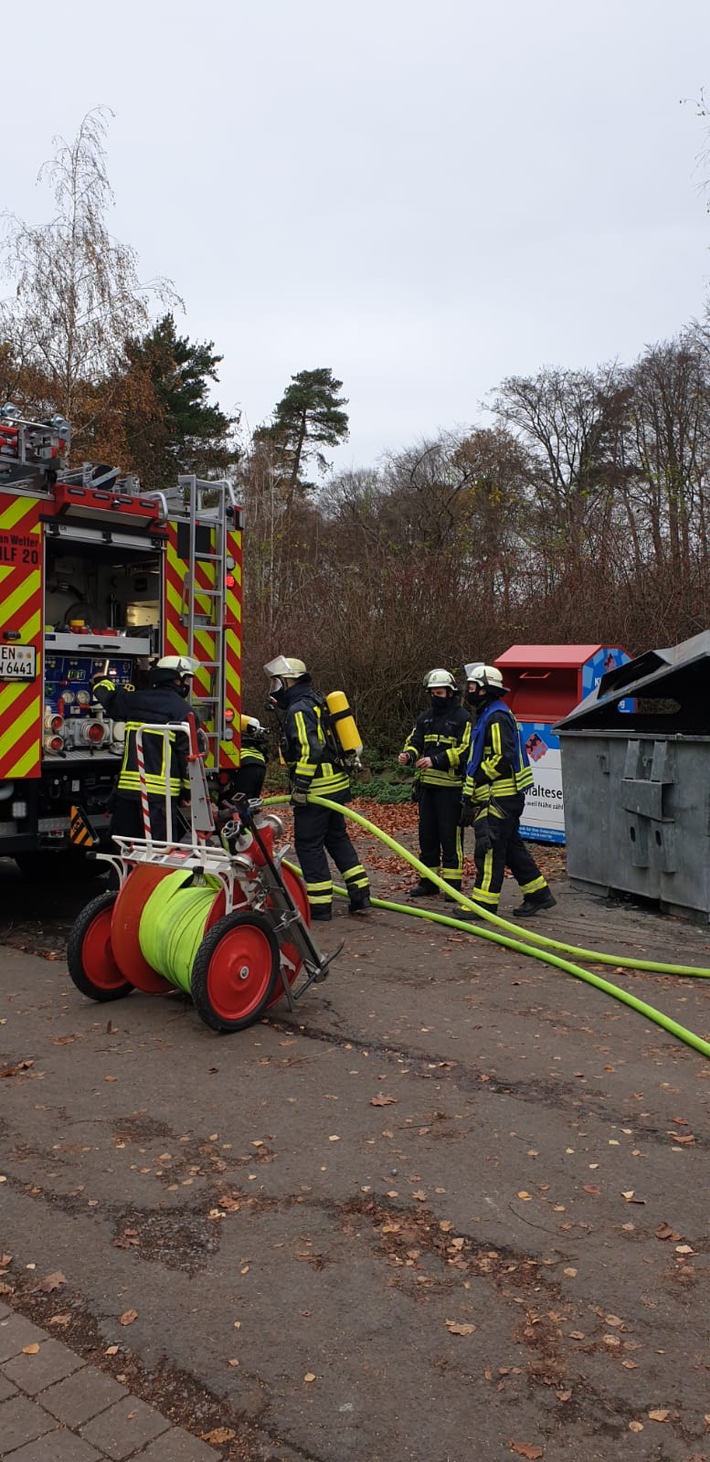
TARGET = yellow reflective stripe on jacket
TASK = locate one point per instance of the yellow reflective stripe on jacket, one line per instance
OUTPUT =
(430, 777)
(457, 752)
(248, 753)
(129, 777)
(493, 755)
(129, 781)
(304, 766)
(327, 780)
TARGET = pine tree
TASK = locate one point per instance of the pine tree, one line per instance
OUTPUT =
(309, 416)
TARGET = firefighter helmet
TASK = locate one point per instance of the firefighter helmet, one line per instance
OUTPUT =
(179, 664)
(253, 733)
(283, 672)
(487, 678)
(170, 669)
(439, 680)
(285, 667)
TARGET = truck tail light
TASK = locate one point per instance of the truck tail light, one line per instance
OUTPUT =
(18, 810)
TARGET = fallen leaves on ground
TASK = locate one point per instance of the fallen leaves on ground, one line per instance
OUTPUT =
(17, 1069)
(128, 1317)
(383, 1101)
(52, 1282)
(664, 1231)
(30, 1349)
(526, 1449)
(219, 1434)
(457, 1327)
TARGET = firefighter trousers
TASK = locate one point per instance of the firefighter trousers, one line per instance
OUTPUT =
(440, 837)
(508, 851)
(318, 832)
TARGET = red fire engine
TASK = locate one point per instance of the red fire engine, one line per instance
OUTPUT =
(98, 576)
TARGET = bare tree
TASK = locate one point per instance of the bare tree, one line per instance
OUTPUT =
(77, 294)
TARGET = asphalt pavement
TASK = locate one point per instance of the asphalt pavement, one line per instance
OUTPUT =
(454, 1207)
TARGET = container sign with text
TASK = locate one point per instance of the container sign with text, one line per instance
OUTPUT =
(543, 819)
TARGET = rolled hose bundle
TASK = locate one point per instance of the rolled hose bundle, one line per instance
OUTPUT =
(173, 923)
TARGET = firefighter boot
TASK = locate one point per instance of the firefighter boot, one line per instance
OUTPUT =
(361, 905)
(423, 890)
(534, 902)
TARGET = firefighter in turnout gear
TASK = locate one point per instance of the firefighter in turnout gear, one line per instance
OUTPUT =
(437, 747)
(249, 778)
(162, 702)
(315, 763)
(497, 777)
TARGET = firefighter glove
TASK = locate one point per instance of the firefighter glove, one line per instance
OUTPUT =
(484, 841)
(299, 794)
(466, 813)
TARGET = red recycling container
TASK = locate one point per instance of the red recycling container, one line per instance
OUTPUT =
(546, 682)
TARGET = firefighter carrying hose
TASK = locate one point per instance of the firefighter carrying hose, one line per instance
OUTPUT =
(437, 746)
(161, 702)
(497, 776)
(315, 763)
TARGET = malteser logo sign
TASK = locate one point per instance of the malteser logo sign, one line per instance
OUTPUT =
(543, 819)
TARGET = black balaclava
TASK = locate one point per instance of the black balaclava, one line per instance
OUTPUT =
(440, 704)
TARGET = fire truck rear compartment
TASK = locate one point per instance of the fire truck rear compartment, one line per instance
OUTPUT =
(102, 616)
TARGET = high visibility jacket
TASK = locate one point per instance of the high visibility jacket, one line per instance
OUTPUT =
(164, 756)
(251, 773)
(499, 765)
(445, 737)
(308, 746)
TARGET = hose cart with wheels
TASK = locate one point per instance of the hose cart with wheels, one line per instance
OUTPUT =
(214, 913)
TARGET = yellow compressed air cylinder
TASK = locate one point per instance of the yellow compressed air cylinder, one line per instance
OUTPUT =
(343, 722)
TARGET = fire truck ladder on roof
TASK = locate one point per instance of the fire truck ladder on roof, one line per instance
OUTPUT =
(31, 449)
(212, 506)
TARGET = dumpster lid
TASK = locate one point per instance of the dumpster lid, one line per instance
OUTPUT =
(564, 657)
(680, 674)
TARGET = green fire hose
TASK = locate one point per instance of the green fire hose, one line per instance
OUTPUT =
(535, 945)
(172, 925)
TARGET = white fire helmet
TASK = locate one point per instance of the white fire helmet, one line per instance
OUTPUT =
(285, 667)
(487, 677)
(179, 664)
(439, 680)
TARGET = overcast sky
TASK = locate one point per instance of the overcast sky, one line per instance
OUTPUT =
(424, 195)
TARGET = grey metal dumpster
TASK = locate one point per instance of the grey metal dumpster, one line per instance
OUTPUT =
(637, 786)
